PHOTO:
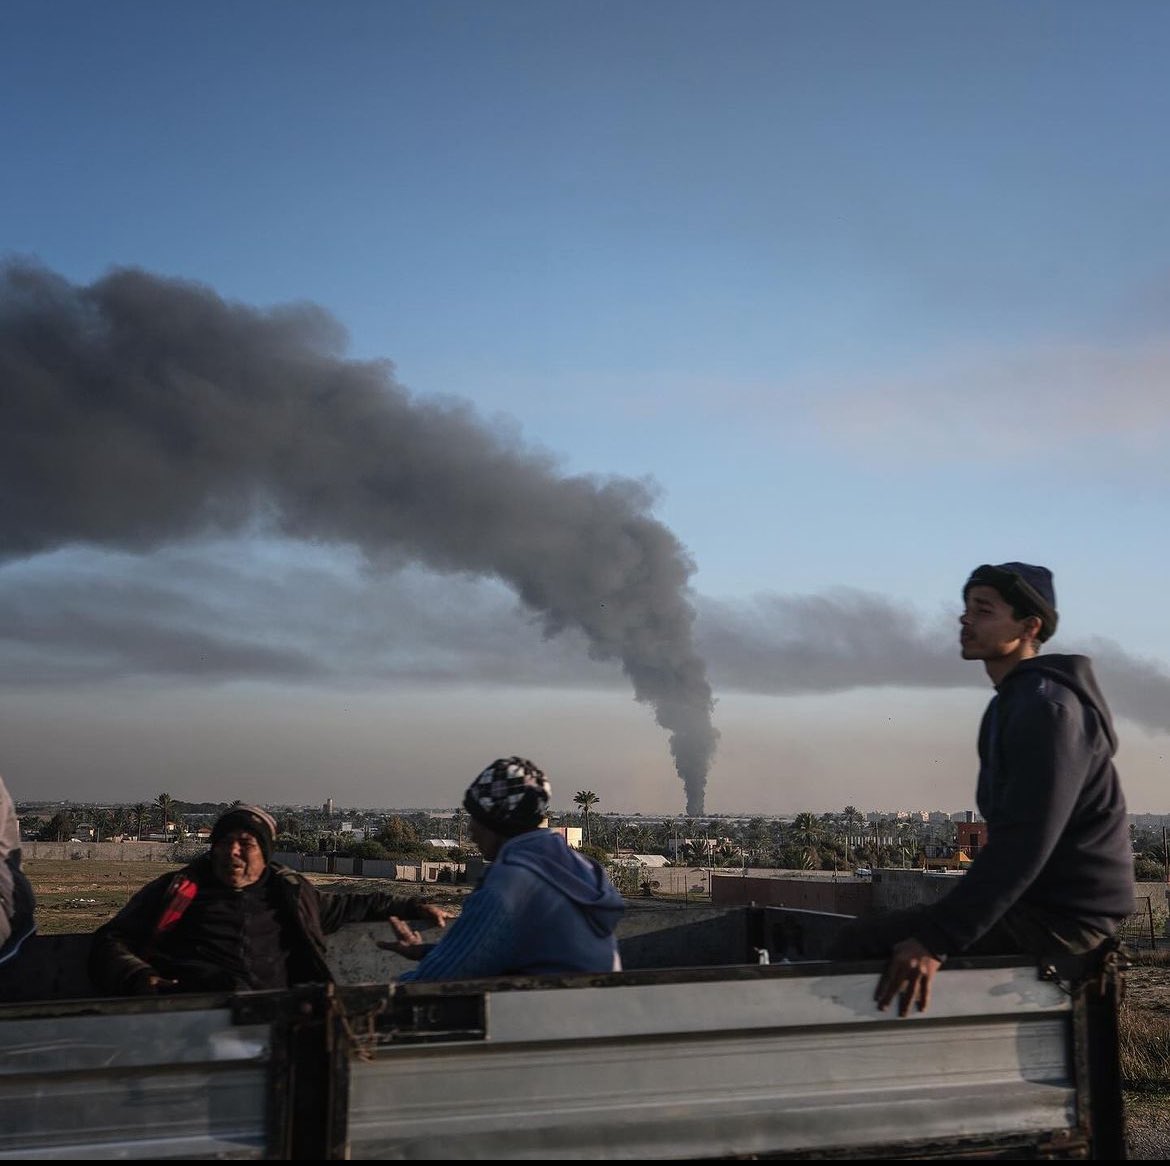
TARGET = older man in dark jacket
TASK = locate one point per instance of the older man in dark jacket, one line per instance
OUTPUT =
(233, 920)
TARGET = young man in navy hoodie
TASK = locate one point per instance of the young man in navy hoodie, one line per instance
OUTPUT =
(541, 906)
(1056, 874)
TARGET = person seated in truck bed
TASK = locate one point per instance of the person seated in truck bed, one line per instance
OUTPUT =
(232, 920)
(17, 901)
(540, 906)
(1056, 874)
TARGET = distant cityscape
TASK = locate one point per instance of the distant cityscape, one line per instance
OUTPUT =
(846, 840)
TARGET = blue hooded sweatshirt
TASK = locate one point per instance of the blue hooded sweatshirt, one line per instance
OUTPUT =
(540, 907)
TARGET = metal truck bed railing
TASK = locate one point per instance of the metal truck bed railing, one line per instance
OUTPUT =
(721, 1061)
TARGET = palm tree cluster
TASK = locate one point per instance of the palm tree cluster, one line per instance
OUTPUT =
(108, 822)
(829, 841)
(809, 841)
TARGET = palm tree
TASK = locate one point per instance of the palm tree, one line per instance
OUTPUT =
(806, 833)
(586, 799)
(906, 837)
(854, 819)
(138, 817)
(759, 838)
(165, 804)
(640, 838)
(105, 822)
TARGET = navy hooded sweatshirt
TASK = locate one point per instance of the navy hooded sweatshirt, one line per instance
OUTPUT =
(1057, 832)
(540, 907)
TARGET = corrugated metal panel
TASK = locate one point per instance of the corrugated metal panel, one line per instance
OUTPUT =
(774, 1066)
(189, 1084)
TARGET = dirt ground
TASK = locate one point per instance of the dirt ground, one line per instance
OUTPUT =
(1147, 1107)
(79, 895)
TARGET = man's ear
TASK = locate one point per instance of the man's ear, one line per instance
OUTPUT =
(1033, 626)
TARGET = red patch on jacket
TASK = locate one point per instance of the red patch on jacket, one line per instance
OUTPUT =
(180, 895)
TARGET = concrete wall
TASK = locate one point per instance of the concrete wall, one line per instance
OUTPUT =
(677, 880)
(426, 872)
(110, 851)
(370, 868)
(431, 871)
(895, 888)
(845, 895)
(380, 868)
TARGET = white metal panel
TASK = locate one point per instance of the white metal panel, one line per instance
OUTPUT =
(79, 1043)
(781, 1001)
(183, 1084)
(774, 1088)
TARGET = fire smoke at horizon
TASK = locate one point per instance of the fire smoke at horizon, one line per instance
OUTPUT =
(140, 411)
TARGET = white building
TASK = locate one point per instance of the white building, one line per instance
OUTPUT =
(573, 835)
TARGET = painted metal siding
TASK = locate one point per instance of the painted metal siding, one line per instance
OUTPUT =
(169, 1084)
(695, 1070)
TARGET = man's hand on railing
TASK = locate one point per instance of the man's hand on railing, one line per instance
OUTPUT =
(409, 942)
(908, 975)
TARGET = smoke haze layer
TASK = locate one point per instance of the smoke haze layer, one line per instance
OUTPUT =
(139, 411)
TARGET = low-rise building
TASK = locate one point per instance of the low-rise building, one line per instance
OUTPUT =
(573, 835)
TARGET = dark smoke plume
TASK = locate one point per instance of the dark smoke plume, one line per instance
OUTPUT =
(139, 411)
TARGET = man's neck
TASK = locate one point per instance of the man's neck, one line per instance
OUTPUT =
(997, 670)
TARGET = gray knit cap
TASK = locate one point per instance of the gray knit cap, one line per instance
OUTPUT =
(258, 822)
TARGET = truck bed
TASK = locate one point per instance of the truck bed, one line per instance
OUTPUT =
(723, 1060)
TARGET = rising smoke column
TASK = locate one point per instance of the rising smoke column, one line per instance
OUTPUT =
(141, 410)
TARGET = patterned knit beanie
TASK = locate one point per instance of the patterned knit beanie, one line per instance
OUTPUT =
(509, 797)
(259, 823)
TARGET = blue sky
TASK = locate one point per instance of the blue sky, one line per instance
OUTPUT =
(870, 293)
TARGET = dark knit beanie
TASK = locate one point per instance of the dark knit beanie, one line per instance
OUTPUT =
(1026, 587)
(510, 796)
(259, 823)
